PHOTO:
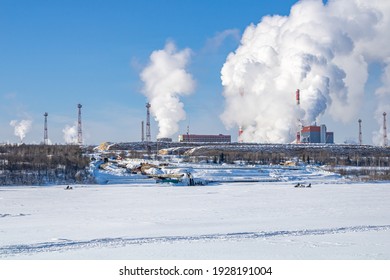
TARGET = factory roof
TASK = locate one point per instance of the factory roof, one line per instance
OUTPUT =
(312, 128)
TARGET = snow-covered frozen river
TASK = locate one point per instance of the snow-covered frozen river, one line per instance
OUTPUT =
(268, 220)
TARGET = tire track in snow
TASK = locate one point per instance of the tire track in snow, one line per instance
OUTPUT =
(13, 215)
(123, 241)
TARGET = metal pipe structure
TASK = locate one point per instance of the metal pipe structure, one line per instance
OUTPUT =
(79, 130)
(384, 130)
(148, 136)
(45, 134)
(142, 132)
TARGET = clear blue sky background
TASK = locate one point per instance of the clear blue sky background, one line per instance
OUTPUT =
(56, 54)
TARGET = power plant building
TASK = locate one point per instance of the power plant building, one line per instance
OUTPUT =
(164, 139)
(315, 134)
(205, 138)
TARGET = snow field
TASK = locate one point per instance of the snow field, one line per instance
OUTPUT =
(224, 221)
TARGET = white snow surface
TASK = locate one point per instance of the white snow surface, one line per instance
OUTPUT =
(114, 174)
(248, 220)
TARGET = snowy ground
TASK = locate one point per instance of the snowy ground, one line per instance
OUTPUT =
(261, 220)
(115, 173)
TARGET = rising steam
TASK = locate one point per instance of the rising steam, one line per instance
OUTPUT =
(323, 50)
(165, 80)
(21, 128)
(70, 134)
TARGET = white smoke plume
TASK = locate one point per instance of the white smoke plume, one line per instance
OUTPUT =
(70, 134)
(322, 49)
(165, 80)
(215, 42)
(383, 96)
(21, 128)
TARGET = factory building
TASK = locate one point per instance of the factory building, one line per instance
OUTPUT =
(205, 138)
(315, 134)
(164, 139)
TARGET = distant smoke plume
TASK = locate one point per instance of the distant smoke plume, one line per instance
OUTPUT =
(70, 134)
(383, 96)
(215, 42)
(323, 50)
(21, 128)
(165, 80)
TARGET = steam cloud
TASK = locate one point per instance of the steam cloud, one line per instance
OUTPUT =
(165, 80)
(70, 134)
(323, 50)
(21, 128)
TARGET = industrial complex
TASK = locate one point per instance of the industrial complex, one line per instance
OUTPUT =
(315, 134)
(305, 134)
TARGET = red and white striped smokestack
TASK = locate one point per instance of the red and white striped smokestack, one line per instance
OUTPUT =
(240, 132)
(297, 97)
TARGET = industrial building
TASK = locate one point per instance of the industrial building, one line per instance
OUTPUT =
(315, 134)
(205, 138)
(164, 139)
(312, 133)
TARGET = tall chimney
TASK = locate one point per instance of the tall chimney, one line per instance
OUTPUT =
(297, 97)
(240, 132)
(360, 132)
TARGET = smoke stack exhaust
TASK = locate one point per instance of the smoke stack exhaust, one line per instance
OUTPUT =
(21, 128)
(316, 49)
(165, 80)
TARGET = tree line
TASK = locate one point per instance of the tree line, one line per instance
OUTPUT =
(332, 155)
(42, 164)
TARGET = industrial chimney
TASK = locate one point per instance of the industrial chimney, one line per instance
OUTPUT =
(240, 132)
(360, 132)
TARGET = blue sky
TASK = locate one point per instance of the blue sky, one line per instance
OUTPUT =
(56, 54)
